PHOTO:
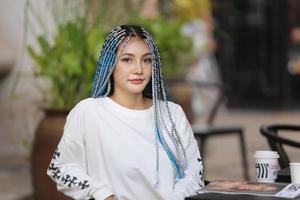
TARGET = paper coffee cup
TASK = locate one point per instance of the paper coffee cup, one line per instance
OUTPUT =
(266, 166)
(295, 173)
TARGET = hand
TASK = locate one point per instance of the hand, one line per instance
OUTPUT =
(112, 197)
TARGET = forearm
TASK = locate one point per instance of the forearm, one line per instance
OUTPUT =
(68, 171)
(185, 187)
(74, 182)
(193, 179)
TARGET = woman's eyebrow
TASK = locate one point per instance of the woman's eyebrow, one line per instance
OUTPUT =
(127, 54)
(147, 54)
(131, 54)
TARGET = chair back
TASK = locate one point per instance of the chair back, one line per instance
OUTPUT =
(277, 141)
(182, 91)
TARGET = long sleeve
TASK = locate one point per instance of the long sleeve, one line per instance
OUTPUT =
(68, 165)
(193, 179)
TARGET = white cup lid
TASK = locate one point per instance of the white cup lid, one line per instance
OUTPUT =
(295, 164)
(266, 154)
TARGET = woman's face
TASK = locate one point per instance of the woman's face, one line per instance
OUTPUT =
(133, 68)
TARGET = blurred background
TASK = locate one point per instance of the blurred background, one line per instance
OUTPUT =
(49, 51)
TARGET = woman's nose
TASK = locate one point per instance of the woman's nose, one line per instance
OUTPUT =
(138, 68)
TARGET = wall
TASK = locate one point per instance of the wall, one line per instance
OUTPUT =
(19, 111)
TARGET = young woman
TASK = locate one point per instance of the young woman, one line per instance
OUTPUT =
(127, 141)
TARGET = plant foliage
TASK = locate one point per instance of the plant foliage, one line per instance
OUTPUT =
(69, 58)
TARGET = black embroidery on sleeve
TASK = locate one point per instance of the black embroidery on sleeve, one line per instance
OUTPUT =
(70, 181)
(200, 173)
(56, 154)
(55, 171)
(52, 167)
(66, 179)
(56, 174)
(83, 185)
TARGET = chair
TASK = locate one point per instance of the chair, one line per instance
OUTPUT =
(203, 131)
(277, 141)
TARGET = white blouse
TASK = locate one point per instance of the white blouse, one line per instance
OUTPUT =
(107, 149)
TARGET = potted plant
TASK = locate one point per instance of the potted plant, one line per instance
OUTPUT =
(67, 61)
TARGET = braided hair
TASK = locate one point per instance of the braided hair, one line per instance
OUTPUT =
(155, 89)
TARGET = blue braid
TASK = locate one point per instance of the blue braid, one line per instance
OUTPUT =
(106, 46)
(111, 52)
(179, 171)
(106, 62)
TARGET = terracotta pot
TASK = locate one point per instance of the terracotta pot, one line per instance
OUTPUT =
(46, 139)
(182, 94)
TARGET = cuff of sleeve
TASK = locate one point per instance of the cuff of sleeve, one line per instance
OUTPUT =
(184, 188)
(177, 196)
(102, 193)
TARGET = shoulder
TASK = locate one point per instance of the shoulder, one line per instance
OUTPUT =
(177, 112)
(174, 107)
(86, 103)
(84, 106)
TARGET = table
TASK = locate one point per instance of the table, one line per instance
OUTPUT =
(216, 196)
(283, 176)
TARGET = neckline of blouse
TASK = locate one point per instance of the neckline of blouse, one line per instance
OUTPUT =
(127, 111)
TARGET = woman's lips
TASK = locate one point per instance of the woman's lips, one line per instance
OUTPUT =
(136, 81)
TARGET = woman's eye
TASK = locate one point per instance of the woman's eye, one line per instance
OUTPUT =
(147, 60)
(126, 59)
